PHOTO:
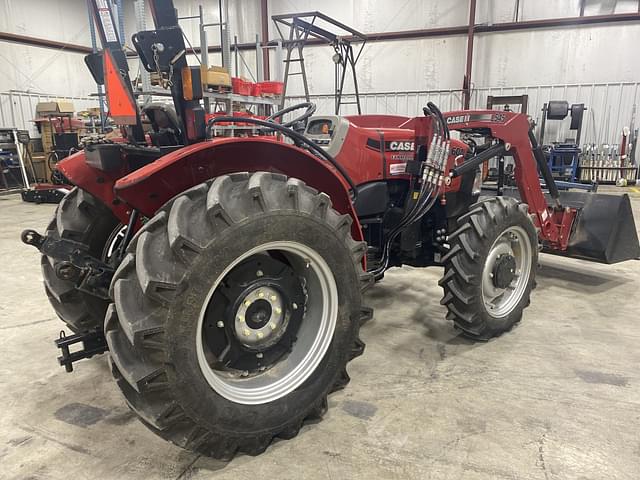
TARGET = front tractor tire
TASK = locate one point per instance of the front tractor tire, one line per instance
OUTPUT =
(490, 268)
(235, 312)
(81, 218)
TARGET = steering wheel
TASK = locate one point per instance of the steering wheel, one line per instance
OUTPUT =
(310, 110)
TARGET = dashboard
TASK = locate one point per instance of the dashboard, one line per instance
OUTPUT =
(321, 131)
(327, 132)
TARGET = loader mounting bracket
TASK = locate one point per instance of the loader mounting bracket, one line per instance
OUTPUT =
(90, 274)
(93, 343)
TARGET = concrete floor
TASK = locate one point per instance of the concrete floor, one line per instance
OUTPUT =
(556, 398)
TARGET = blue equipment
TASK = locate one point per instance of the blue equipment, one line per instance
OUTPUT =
(563, 161)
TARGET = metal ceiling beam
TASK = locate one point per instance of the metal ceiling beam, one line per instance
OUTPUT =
(43, 43)
(559, 22)
(378, 37)
(496, 27)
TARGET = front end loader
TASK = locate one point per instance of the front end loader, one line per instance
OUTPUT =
(225, 276)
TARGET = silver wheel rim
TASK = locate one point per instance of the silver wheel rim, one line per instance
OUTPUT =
(500, 302)
(114, 242)
(313, 338)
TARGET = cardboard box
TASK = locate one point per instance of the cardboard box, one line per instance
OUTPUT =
(216, 77)
(52, 108)
(47, 137)
(41, 167)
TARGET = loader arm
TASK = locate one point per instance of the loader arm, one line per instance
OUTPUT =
(512, 130)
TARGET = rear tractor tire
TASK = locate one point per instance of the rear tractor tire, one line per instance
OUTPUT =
(236, 310)
(490, 269)
(82, 218)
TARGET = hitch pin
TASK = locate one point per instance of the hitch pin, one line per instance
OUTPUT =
(177, 57)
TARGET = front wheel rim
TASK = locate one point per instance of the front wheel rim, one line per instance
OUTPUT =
(511, 250)
(313, 337)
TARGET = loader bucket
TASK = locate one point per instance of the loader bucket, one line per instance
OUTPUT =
(604, 230)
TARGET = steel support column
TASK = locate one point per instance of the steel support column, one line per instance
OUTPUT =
(99, 88)
(466, 83)
(264, 17)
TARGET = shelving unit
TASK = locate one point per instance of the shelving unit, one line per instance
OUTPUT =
(13, 178)
(227, 98)
(234, 97)
(212, 100)
(608, 175)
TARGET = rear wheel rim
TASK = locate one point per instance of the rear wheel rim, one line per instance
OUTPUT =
(113, 242)
(313, 336)
(511, 248)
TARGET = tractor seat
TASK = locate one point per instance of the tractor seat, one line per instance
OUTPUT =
(164, 124)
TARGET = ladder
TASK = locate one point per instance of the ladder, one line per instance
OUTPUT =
(302, 26)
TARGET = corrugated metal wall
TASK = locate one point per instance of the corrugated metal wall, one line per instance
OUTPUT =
(18, 109)
(609, 105)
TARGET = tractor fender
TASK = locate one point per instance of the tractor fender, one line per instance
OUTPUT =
(97, 182)
(150, 187)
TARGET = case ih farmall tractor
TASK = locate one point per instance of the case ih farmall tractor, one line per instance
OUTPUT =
(225, 276)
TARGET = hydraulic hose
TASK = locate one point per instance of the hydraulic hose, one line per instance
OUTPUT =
(395, 232)
(438, 113)
(432, 177)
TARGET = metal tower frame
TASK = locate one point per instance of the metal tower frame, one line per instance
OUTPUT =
(302, 26)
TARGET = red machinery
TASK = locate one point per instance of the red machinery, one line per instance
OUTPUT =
(225, 275)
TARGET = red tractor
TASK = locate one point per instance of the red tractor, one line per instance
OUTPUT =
(225, 276)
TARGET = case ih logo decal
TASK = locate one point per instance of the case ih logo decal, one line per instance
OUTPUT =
(392, 146)
(497, 117)
(458, 119)
(401, 146)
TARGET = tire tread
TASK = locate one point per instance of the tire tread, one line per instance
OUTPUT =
(135, 331)
(464, 263)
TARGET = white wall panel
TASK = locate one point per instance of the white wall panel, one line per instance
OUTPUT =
(428, 63)
(380, 15)
(596, 53)
(244, 19)
(61, 20)
(497, 11)
(604, 7)
(575, 55)
(39, 69)
(44, 70)
(500, 11)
